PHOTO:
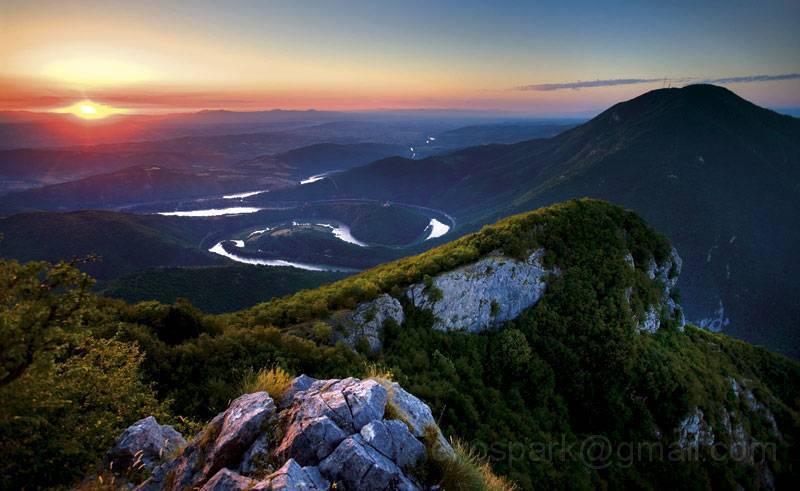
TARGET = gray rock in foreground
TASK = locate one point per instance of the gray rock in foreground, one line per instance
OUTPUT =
(328, 431)
(144, 444)
(222, 444)
(357, 465)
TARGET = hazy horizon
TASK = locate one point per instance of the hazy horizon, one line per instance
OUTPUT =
(547, 59)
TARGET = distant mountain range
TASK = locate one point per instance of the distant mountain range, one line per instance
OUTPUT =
(102, 176)
(719, 175)
(25, 129)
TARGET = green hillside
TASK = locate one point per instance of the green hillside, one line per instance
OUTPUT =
(123, 243)
(571, 369)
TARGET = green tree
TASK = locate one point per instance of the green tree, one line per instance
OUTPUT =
(38, 303)
(58, 418)
(511, 353)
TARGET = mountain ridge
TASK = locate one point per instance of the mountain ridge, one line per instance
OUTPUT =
(716, 173)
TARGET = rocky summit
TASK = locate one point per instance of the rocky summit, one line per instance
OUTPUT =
(351, 433)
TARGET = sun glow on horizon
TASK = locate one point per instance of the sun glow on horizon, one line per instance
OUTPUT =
(87, 109)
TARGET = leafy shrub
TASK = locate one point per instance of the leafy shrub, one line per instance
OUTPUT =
(39, 304)
(59, 418)
(323, 332)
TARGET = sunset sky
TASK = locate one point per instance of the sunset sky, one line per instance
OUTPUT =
(531, 57)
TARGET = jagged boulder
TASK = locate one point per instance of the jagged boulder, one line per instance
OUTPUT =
(358, 465)
(395, 441)
(419, 419)
(257, 456)
(240, 427)
(291, 477)
(326, 413)
(327, 431)
(144, 444)
(222, 444)
(298, 384)
(483, 294)
(227, 480)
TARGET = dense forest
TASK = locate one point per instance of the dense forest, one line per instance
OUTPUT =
(77, 368)
(216, 289)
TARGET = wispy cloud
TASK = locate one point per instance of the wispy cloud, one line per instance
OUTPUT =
(587, 84)
(752, 78)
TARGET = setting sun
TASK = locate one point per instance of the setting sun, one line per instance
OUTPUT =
(87, 109)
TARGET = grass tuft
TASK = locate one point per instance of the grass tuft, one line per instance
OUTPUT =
(468, 471)
(274, 381)
(380, 374)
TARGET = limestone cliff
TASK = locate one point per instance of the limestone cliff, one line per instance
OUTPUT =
(484, 294)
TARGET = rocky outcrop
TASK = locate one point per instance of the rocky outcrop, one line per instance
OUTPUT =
(367, 320)
(222, 444)
(471, 298)
(695, 431)
(483, 294)
(667, 308)
(745, 394)
(354, 434)
(735, 438)
(145, 444)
